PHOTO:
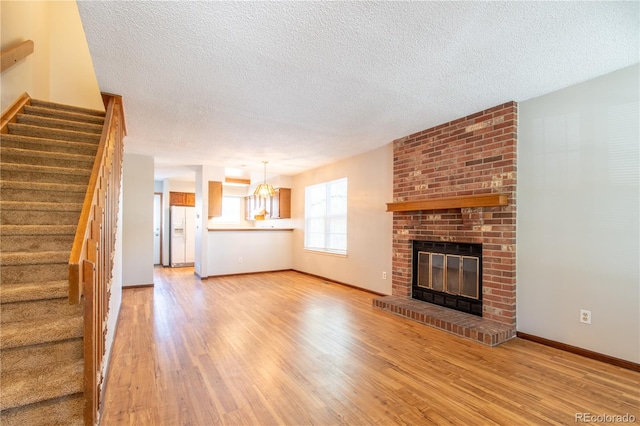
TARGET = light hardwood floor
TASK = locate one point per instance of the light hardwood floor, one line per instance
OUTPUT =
(285, 348)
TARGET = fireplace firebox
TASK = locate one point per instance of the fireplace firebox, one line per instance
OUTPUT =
(448, 274)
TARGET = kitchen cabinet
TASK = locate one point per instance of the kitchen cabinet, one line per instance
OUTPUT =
(278, 206)
(215, 199)
(252, 203)
(281, 204)
(187, 199)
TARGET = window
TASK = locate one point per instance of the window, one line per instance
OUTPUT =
(325, 216)
(231, 210)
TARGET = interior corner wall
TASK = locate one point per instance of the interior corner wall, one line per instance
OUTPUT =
(21, 21)
(204, 174)
(137, 220)
(369, 226)
(60, 68)
(578, 244)
(72, 76)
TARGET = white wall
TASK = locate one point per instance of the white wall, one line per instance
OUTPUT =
(137, 224)
(579, 213)
(369, 226)
(204, 174)
(60, 69)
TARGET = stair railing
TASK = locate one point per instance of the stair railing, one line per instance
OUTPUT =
(14, 54)
(91, 259)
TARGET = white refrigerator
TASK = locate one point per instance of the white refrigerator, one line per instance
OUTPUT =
(183, 243)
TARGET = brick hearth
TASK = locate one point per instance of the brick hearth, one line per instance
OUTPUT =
(469, 156)
(464, 325)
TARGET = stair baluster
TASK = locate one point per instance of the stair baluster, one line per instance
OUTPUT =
(91, 260)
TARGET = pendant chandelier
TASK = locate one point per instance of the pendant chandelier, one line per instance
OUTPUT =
(264, 190)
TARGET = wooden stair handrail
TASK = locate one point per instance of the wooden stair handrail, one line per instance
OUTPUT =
(9, 115)
(12, 55)
(79, 249)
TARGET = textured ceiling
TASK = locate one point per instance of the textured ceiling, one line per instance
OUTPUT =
(301, 84)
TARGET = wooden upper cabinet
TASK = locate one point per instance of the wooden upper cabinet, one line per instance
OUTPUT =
(278, 206)
(215, 199)
(190, 199)
(182, 199)
(281, 204)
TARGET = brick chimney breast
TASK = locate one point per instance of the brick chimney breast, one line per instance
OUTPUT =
(468, 156)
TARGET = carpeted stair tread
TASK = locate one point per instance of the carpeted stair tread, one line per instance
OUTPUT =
(63, 115)
(41, 186)
(39, 258)
(38, 217)
(41, 192)
(34, 238)
(37, 229)
(15, 274)
(40, 331)
(41, 196)
(50, 381)
(43, 158)
(68, 108)
(33, 291)
(48, 133)
(35, 243)
(56, 123)
(63, 411)
(31, 213)
(24, 311)
(34, 173)
(26, 357)
(40, 206)
(48, 145)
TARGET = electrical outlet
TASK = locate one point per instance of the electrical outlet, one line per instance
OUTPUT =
(239, 260)
(384, 275)
(585, 316)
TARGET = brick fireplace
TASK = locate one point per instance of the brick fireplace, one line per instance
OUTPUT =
(460, 160)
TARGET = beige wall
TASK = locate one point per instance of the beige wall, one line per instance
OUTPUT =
(243, 252)
(369, 226)
(137, 220)
(60, 69)
(579, 215)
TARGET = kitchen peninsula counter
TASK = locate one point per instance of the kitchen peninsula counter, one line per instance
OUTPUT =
(247, 229)
(246, 250)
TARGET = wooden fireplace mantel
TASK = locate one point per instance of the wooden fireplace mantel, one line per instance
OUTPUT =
(464, 201)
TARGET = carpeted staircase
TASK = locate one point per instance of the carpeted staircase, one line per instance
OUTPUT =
(45, 164)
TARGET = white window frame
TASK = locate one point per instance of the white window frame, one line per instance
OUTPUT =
(325, 211)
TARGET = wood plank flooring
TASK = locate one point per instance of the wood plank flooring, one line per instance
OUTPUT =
(284, 348)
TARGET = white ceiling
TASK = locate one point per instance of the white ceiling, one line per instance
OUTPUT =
(302, 84)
